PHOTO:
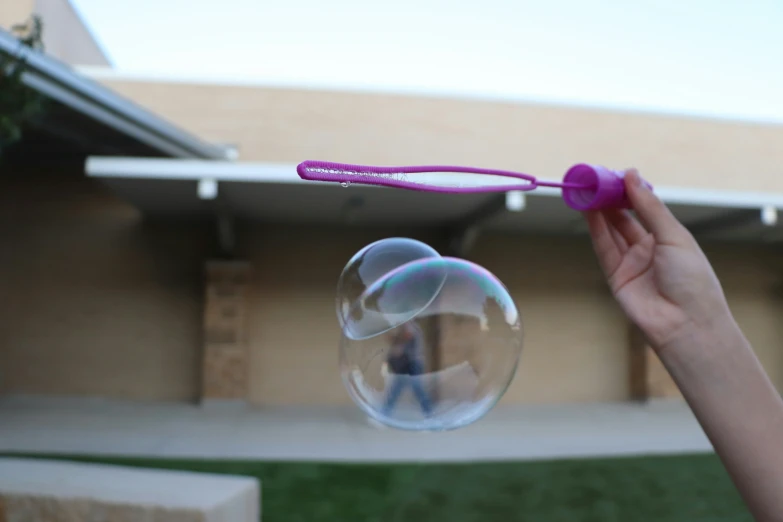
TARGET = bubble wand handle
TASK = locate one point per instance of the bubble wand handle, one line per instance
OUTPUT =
(585, 187)
(606, 188)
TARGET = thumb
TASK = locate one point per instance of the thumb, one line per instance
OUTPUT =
(651, 211)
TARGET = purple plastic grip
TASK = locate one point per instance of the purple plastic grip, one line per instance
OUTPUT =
(607, 188)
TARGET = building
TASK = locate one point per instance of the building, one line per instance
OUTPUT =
(158, 245)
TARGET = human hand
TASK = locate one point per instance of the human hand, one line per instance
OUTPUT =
(656, 269)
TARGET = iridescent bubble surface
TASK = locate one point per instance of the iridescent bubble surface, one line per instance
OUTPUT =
(430, 344)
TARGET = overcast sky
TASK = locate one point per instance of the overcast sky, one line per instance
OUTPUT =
(715, 58)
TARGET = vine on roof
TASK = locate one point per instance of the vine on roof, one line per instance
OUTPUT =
(19, 104)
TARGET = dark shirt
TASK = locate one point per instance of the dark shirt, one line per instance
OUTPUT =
(408, 361)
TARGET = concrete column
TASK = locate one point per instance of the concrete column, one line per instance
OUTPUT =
(226, 359)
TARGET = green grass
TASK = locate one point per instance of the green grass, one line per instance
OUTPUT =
(655, 489)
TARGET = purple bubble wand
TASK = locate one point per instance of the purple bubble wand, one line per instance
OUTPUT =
(584, 187)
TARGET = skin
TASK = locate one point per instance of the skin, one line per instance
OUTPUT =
(667, 287)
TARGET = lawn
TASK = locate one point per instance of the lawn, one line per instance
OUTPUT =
(692, 488)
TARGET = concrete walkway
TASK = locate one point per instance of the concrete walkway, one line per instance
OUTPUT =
(85, 426)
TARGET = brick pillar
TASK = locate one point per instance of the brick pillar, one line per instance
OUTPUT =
(226, 359)
(649, 379)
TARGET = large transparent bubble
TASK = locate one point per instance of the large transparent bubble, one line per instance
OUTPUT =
(440, 349)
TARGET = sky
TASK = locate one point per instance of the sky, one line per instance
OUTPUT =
(696, 57)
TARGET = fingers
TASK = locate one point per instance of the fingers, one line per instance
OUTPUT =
(606, 249)
(619, 240)
(652, 212)
(630, 229)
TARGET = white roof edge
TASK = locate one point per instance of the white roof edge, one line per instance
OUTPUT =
(285, 173)
(190, 170)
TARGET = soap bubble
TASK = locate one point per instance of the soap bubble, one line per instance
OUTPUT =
(441, 348)
(370, 264)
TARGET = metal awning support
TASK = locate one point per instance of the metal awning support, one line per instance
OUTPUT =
(462, 236)
(208, 190)
(226, 233)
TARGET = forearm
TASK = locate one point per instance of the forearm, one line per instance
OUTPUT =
(739, 409)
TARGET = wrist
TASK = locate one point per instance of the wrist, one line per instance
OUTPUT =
(711, 359)
(719, 332)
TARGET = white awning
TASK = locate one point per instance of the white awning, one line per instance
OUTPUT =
(268, 192)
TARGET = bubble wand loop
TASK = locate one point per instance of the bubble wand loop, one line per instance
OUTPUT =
(585, 187)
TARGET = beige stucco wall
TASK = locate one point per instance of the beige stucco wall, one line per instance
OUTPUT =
(294, 332)
(14, 12)
(576, 338)
(99, 303)
(95, 300)
(102, 303)
(293, 125)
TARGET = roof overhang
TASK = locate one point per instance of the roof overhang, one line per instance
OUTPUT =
(93, 119)
(269, 192)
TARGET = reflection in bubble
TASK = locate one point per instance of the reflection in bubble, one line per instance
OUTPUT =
(432, 344)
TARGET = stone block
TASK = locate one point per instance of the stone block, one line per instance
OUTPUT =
(34, 490)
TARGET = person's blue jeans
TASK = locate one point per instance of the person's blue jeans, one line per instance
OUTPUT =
(398, 386)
